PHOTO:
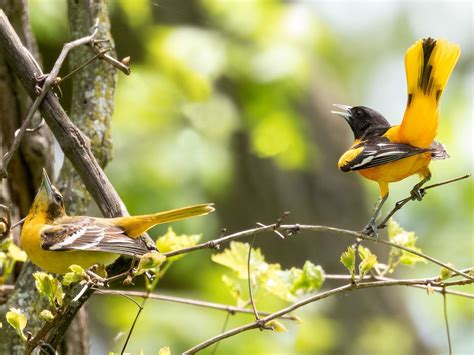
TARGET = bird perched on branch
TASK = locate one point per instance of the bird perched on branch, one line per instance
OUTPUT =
(53, 240)
(385, 153)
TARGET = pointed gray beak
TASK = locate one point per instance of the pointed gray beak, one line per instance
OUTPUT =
(346, 114)
(46, 184)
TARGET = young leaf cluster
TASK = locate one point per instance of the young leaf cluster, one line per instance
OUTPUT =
(286, 284)
(398, 235)
(10, 254)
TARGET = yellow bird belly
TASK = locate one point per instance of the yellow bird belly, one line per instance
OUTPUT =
(58, 261)
(398, 170)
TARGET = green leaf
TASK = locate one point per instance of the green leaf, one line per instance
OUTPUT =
(49, 287)
(368, 261)
(276, 326)
(164, 351)
(171, 242)
(150, 262)
(5, 243)
(46, 315)
(311, 278)
(16, 253)
(284, 284)
(446, 273)
(236, 257)
(17, 320)
(280, 282)
(76, 274)
(348, 260)
(398, 235)
(233, 287)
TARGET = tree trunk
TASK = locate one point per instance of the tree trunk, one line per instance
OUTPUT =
(92, 115)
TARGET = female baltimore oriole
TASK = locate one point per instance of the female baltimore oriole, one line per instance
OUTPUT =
(53, 240)
(385, 153)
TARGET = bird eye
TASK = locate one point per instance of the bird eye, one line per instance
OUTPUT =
(358, 113)
(58, 198)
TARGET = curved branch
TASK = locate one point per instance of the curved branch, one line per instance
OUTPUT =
(258, 324)
(290, 229)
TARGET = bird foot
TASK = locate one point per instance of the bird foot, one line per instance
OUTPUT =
(417, 193)
(371, 229)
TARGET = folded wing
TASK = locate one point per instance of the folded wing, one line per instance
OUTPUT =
(88, 235)
(378, 152)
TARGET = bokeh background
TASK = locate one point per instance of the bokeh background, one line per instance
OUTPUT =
(229, 102)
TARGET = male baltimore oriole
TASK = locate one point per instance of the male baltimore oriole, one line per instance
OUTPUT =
(53, 240)
(385, 153)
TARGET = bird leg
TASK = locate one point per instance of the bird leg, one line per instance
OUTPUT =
(417, 192)
(371, 228)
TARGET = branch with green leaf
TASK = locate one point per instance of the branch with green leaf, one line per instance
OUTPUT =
(250, 279)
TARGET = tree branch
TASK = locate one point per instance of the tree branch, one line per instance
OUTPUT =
(205, 304)
(290, 229)
(47, 86)
(342, 289)
(73, 143)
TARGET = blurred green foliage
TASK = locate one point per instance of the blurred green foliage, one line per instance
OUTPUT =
(287, 285)
(245, 66)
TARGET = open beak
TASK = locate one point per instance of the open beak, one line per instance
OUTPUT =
(346, 114)
(46, 185)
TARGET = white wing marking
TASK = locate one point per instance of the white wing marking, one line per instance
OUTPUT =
(69, 240)
(363, 162)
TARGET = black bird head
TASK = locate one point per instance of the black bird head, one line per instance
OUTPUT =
(365, 122)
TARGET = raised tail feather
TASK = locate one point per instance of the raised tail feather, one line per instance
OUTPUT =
(428, 65)
(137, 225)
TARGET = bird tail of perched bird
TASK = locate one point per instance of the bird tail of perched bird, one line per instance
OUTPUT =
(137, 225)
(428, 65)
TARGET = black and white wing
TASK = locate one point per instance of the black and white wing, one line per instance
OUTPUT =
(87, 234)
(374, 153)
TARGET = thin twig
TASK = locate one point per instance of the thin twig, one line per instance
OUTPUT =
(431, 283)
(224, 326)
(82, 66)
(255, 324)
(223, 307)
(435, 284)
(290, 228)
(405, 200)
(445, 310)
(48, 84)
(342, 289)
(34, 342)
(249, 277)
(140, 309)
(52, 81)
(120, 65)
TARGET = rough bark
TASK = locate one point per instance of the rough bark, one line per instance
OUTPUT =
(36, 149)
(34, 153)
(91, 111)
(92, 107)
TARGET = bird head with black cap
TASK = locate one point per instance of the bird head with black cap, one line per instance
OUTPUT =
(364, 121)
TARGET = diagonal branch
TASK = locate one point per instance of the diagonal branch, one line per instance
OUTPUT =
(74, 144)
(290, 229)
(339, 290)
(205, 304)
(399, 205)
(50, 82)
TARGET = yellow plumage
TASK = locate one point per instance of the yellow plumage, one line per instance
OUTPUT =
(54, 241)
(428, 65)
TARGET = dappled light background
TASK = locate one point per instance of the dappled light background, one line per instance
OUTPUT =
(229, 102)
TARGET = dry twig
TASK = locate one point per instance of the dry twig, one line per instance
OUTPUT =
(342, 289)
